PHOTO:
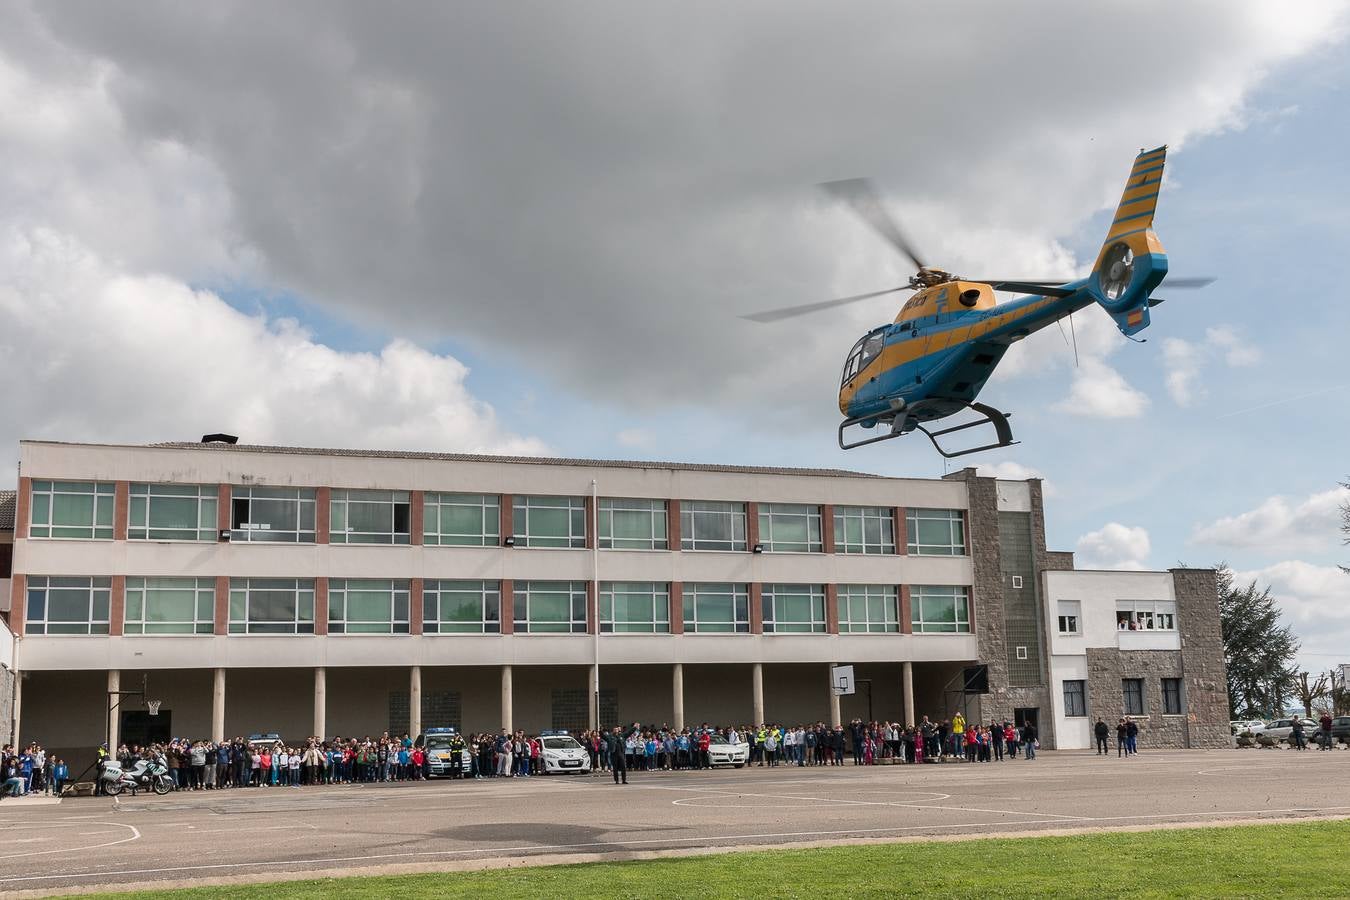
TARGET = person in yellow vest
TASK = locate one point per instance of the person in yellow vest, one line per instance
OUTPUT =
(958, 734)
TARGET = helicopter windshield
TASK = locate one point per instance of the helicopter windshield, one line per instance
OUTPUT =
(863, 352)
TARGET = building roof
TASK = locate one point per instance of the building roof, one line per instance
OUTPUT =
(8, 504)
(529, 460)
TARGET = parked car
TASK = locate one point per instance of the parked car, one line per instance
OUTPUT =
(722, 752)
(437, 743)
(1243, 726)
(1283, 729)
(1340, 729)
(268, 741)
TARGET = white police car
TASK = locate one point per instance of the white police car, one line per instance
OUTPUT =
(721, 752)
(562, 754)
(436, 744)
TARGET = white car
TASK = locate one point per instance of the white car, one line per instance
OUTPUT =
(721, 752)
(1255, 726)
(1283, 729)
(562, 755)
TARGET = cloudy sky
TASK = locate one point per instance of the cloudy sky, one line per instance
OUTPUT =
(530, 228)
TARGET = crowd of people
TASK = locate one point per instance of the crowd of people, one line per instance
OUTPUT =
(32, 770)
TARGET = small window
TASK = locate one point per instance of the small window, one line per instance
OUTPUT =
(1069, 612)
(1171, 696)
(1017, 582)
(1021, 652)
(1075, 699)
(1132, 690)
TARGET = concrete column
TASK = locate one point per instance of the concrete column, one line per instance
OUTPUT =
(414, 701)
(835, 717)
(757, 691)
(907, 676)
(593, 700)
(18, 708)
(506, 699)
(677, 694)
(218, 707)
(115, 717)
(320, 701)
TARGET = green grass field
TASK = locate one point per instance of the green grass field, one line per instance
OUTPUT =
(1304, 859)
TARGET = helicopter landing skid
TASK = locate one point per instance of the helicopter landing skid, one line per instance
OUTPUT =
(988, 416)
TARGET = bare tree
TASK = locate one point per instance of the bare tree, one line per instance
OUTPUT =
(1345, 524)
(1310, 689)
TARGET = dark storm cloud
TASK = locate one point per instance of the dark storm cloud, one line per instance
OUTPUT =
(594, 191)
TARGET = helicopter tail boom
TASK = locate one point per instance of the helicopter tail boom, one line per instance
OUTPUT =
(1132, 260)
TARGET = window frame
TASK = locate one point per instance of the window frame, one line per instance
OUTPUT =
(1071, 610)
(248, 586)
(1133, 688)
(883, 515)
(435, 502)
(890, 616)
(920, 625)
(657, 510)
(521, 598)
(1079, 695)
(143, 493)
(345, 498)
(305, 500)
(489, 606)
(768, 513)
(43, 494)
(660, 597)
(1173, 701)
(772, 622)
(1147, 614)
(521, 505)
(955, 519)
(203, 590)
(737, 515)
(740, 599)
(399, 589)
(93, 624)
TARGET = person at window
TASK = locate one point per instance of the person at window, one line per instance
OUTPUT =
(1101, 732)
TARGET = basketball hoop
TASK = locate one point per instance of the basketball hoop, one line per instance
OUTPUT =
(153, 706)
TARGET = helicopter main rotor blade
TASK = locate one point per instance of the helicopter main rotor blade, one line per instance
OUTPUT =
(862, 195)
(787, 312)
(1196, 282)
(1026, 287)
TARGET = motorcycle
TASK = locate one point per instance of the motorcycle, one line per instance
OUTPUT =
(152, 773)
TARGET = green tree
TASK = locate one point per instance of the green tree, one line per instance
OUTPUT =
(1257, 648)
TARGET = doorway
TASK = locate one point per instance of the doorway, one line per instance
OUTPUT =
(140, 728)
(1028, 715)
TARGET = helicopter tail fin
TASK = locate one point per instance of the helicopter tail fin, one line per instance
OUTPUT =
(1132, 261)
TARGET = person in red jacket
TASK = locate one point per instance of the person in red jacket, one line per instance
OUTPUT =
(419, 759)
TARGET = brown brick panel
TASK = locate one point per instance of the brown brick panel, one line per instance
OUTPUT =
(223, 506)
(756, 608)
(676, 607)
(508, 599)
(827, 528)
(121, 509)
(323, 515)
(592, 608)
(223, 599)
(831, 609)
(117, 608)
(907, 611)
(673, 537)
(898, 514)
(416, 507)
(592, 522)
(415, 606)
(18, 602)
(751, 525)
(506, 524)
(320, 605)
(23, 505)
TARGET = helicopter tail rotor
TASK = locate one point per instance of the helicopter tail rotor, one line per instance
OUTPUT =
(1132, 261)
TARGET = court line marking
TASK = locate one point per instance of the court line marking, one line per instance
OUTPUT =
(915, 805)
(815, 835)
(135, 836)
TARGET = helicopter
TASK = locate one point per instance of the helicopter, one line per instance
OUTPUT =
(932, 361)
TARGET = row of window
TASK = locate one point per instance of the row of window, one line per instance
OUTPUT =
(1131, 615)
(80, 605)
(177, 512)
(1132, 695)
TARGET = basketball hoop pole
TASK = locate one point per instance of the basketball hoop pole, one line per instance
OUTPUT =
(114, 701)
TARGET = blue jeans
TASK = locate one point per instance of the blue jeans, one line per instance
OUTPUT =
(1031, 749)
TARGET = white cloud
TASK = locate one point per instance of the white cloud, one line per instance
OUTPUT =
(1015, 471)
(1316, 600)
(108, 355)
(634, 437)
(1114, 546)
(1099, 391)
(1280, 525)
(1185, 360)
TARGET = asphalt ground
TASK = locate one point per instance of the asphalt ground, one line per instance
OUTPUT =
(272, 833)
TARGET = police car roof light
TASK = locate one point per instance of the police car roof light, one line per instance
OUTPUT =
(560, 732)
(441, 731)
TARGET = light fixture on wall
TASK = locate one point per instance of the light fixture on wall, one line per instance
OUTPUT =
(225, 535)
(758, 548)
(509, 540)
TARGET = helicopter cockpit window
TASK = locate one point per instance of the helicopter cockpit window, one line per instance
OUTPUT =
(863, 352)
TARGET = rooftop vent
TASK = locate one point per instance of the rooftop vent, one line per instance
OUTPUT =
(219, 439)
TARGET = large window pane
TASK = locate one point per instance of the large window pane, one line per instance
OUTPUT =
(707, 525)
(461, 520)
(789, 528)
(641, 607)
(170, 606)
(461, 607)
(549, 522)
(370, 517)
(271, 606)
(936, 532)
(632, 524)
(714, 608)
(938, 609)
(869, 608)
(67, 605)
(864, 529)
(367, 606)
(173, 512)
(74, 510)
(793, 608)
(543, 607)
(272, 515)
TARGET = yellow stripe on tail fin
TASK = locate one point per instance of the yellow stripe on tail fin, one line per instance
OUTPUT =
(1140, 197)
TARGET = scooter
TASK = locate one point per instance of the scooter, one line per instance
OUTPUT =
(152, 773)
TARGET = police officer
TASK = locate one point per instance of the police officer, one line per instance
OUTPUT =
(618, 752)
(456, 755)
